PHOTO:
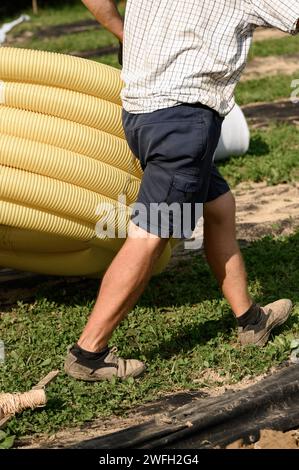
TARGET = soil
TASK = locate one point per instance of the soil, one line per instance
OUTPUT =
(260, 67)
(261, 210)
(21, 285)
(270, 439)
(260, 115)
(266, 210)
(262, 34)
(96, 52)
(62, 29)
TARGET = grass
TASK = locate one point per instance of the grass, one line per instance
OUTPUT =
(180, 327)
(51, 16)
(265, 89)
(268, 47)
(92, 38)
(72, 42)
(272, 157)
(108, 59)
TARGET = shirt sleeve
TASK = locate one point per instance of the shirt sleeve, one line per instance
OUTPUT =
(281, 14)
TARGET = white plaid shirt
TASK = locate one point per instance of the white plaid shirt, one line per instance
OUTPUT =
(186, 51)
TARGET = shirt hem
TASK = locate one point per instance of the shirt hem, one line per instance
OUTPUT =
(133, 109)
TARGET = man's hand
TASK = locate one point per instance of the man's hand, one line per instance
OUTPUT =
(106, 13)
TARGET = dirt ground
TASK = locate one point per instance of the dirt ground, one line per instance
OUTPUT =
(260, 67)
(261, 210)
(262, 34)
(260, 115)
(270, 439)
(264, 210)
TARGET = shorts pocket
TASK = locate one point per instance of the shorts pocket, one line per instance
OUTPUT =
(184, 188)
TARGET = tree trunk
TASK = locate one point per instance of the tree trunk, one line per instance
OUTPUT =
(34, 7)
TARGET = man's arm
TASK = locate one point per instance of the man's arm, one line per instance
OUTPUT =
(106, 13)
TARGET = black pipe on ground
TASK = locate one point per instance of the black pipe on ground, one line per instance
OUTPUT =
(272, 403)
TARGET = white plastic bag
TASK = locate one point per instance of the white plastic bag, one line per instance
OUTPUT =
(235, 135)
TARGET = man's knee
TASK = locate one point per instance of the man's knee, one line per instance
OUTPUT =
(146, 241)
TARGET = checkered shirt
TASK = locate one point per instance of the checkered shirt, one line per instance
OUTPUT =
(187, 51)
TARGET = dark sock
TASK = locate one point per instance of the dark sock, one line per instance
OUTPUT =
(86, 357)
(253, 315)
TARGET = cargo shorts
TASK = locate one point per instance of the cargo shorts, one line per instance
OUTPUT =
(175, 147)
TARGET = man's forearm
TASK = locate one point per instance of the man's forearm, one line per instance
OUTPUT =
(106, 13)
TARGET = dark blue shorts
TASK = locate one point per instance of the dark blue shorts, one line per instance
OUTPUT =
(176, 148)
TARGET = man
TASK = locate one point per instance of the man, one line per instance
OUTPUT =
(181, 62)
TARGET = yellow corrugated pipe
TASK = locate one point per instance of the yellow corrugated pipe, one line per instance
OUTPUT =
(66, 166)
(62, 71)
(60, 133)
(63, 164)
(70, 105)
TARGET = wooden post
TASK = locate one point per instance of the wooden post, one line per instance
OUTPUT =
(34, 7)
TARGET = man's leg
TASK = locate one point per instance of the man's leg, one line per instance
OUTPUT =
(224, 257)
(223, 253)
(122, 285)
(127, 276)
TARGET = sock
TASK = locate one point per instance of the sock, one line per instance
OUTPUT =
(253, 315)
(86, 357)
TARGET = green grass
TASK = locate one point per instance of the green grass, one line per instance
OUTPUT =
(272, 157)
(283, 46)
(90, 39)
(48, 16)
(108, 59)
(72, 42)
(180, 327)
(265, 89)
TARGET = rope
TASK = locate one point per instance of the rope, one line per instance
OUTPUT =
(11, 403)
